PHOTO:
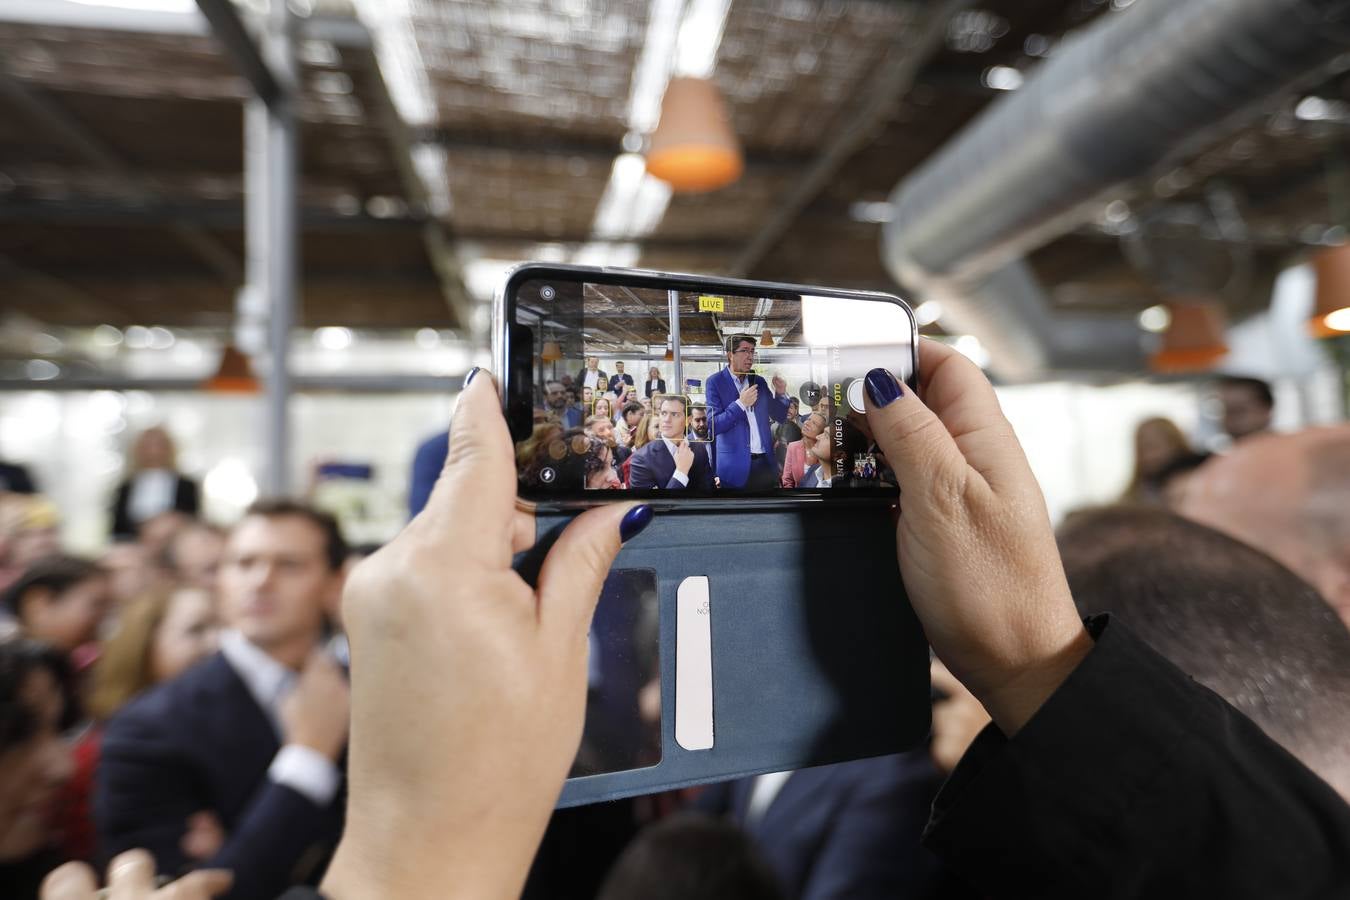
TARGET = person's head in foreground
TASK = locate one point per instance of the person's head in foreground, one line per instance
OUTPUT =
(689, 855)
(1229, 616)
(1289, 496)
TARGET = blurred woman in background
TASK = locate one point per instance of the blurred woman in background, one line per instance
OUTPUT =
(154, 485)
(158, 636)
(1158, 442)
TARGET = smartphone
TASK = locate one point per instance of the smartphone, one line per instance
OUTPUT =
(620, 383)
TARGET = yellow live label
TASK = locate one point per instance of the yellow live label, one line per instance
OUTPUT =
(711, 304)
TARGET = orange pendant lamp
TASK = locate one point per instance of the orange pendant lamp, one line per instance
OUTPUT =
(693, 148)
(1194, 340)
(1331, 316)
(235, 374)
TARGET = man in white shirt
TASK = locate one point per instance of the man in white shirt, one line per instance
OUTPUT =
(254, 734)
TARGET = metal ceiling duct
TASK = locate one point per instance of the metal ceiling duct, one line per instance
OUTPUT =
(1140, 88)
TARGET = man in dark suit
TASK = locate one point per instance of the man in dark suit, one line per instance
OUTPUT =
(671, 461)
(845, 830)
(742, 406)
(253, 734)
(592, 377)
(619, 379)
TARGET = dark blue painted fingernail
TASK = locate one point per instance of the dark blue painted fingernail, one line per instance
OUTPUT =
(472, 372)
(634, 521)
(882, 388)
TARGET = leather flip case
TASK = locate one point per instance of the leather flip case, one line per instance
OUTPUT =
(816, 655)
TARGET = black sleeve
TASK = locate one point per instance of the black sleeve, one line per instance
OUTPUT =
(1135, 781)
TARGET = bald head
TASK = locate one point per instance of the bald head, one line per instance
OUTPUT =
(1288, 495)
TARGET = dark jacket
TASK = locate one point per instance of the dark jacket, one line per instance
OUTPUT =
(201, 742)
(185, 500)
(652, 466)
(849, 830)
(1135, 781)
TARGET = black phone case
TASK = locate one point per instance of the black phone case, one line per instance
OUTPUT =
(817, 656)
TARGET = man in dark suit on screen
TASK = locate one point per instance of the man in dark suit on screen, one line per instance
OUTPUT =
(619, 379)
(252, 735)
(742, 406)
(671, 461)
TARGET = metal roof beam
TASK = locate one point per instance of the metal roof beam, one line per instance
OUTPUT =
(57, 120)
(229, 29)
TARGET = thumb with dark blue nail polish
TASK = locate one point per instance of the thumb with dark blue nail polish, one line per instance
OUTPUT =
(882, 388)
(634, 522)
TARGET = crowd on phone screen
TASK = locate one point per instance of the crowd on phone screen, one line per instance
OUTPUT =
(184, 692)
(747, 433)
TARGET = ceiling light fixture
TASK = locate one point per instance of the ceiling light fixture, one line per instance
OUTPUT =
(1194, 340)
(234, 375)
(682, 39)
(1331, 314)
(693, 148)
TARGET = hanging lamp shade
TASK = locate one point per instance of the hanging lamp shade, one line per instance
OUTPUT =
(766, 338)
(234, 375)
(1331, 315)
(1194, 340)
(693, 148)
(670, 350)
(552, 352)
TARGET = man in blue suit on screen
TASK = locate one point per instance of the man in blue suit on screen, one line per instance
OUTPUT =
(671, 461)
(742, 406)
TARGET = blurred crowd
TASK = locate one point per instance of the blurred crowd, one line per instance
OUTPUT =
(185, 692)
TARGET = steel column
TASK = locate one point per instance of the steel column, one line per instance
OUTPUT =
(674, 301)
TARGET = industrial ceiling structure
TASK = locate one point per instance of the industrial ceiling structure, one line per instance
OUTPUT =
(444, 139)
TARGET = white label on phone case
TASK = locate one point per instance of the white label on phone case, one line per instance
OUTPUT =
(693, 665)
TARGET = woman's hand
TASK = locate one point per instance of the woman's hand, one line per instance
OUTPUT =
(468, 685)
(976, 549)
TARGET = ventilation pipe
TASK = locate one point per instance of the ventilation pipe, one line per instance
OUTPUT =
(1137, 90)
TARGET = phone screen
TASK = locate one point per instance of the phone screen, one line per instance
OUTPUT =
(666, 385)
